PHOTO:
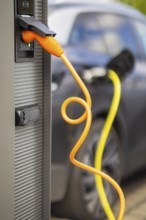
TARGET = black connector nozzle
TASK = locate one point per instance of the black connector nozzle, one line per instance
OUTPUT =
(29, 23)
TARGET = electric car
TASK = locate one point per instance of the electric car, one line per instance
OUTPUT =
(92, 35)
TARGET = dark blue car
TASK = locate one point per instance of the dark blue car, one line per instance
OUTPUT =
(92, 35)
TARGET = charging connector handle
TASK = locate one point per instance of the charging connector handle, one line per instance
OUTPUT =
(30, 23)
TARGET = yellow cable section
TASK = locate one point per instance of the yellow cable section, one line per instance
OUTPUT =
(88, 116)
(102, 142)
(53, 47)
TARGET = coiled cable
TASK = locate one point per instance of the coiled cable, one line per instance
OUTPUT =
(88, 116)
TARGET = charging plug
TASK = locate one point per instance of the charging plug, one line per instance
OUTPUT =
(48, 43)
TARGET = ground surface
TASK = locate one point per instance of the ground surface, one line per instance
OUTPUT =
(135, 192)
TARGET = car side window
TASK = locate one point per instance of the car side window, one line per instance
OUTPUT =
(87, 34)
(141, 32)
(118, 33)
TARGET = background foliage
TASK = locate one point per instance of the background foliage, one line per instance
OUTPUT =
(139, 4)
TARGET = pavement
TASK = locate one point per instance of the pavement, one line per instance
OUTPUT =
(135, 193)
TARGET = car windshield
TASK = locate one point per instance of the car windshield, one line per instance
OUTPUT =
(86, 33)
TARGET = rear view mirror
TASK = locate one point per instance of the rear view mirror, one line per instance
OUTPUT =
(123, 63)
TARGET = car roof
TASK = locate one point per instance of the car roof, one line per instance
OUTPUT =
(110, 7)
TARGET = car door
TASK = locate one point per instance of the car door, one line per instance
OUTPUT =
(119, 34)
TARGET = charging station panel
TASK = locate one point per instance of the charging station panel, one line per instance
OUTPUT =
(23, 51)
(32, 109)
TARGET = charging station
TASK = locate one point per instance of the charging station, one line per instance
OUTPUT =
(25, 116)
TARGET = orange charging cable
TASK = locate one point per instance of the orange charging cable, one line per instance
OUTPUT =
(52, 46)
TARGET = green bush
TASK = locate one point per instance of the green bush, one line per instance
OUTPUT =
(138, 4)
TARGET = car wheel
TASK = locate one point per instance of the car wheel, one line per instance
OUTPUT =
(82, 201)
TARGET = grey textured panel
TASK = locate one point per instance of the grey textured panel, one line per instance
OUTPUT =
(7, 133)
(29, 140)
(47, 141)
(47, 127)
